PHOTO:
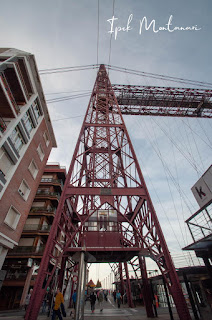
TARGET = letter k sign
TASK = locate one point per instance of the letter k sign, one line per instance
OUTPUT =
(200, 192)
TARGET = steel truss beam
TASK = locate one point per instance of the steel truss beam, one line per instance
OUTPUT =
(163, 101)
(105, 203)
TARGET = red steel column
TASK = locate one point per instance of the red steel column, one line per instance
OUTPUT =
(147, 296)
(129, 291)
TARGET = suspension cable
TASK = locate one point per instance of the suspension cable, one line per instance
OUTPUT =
(111, 38)
(126, 70)
(97, 53)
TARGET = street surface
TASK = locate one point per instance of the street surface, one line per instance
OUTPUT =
(110, 311)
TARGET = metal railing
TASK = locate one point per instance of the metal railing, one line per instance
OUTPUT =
(43, 210)
(26, 250)
(48, 194)
(36, 227)
(51, 180)
(54, 164)
(18, 69)
(15, 276)
(200, 223)
(3, 125)
(9, 92)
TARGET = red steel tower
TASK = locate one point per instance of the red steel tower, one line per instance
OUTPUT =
(105, 208)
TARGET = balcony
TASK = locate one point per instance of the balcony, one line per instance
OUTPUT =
(200, 227)
(3, 125)
(13, 82)
(16, 276)
(27, 250)
(51, 181)
(7, 110)
(37, 227)
(23, 73)
(42, 210)
(47, 194)
(54, 165)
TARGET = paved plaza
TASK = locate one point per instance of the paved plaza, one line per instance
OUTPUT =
(110, 311)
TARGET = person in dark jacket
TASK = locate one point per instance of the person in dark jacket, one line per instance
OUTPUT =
(74, 299)
(118, 298)
(93, 301)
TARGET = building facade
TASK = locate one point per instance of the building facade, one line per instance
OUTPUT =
(26, 139)
(200, 227)
(22, 262)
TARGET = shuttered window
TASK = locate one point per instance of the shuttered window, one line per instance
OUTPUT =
(33, 169)
(12, 218)
(40, 152)
(24, 190)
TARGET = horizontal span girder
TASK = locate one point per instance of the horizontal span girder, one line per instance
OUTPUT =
(108, 249)
(163, 101)
(104, 125)
(71, 191)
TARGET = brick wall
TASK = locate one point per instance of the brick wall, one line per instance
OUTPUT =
(11, 195)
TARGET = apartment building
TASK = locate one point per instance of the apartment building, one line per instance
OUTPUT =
(26, 139)
(22, 262)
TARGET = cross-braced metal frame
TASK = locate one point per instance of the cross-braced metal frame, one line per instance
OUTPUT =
(105, 208)
(163, 101)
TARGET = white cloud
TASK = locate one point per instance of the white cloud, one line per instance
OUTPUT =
(64, 33)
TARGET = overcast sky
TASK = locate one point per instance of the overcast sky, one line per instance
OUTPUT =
(173, 153)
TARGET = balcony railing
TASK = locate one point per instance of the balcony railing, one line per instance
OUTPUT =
(26, 250)
(9, 92)
(37, 227)
(52, 181)
(3, 125)
(48, 194)
(42, 210)
(200, 223)
(22, 80)
(54, 164)
(16, 276)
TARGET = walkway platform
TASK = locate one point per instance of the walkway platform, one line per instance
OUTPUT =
(110, 312)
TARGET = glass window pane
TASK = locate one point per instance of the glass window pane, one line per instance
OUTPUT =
(17, 139)
(28, 122)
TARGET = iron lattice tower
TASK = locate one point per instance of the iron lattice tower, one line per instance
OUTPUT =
(105, 207)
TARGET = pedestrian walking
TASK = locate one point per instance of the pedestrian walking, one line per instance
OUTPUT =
(74, 299)
(101, 299)
(45, 301)
(58, 301)
(27, 300)
(118, 298)
(49, 302)
(92, 301)
(114, 295)
(105, 295)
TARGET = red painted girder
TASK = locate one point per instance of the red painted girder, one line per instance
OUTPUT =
(103, 125)
(71, 191)
(162, 101)
(109, 249)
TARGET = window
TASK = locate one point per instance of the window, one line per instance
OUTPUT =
(36, 109)
(5, 163)
(38, 204)
(17, 139)
(33, 169)
(47, 178)
(28, 122)
(40, 152)
(24, 190)
(12, 218)
(43, 191)
(46, 138)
